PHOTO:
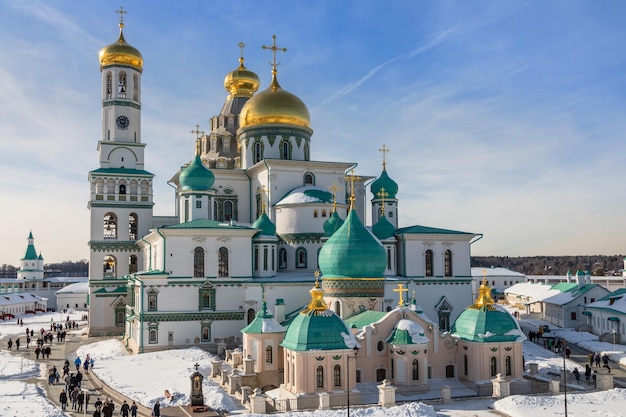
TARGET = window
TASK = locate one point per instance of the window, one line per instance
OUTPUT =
(132, 264)
(465, 365)
(109, 87)
(415, 370)
(285, 150)
(319, 377)
(207, 298)
(135, 87)
(152, 301)
(314, 213)
(110, 226)
(258, 152)
(154, 336)
(300, 258)
(572, 315)
(206, 333)
(108, 266)
(507, 366)
(429, 263)
(256, 258)
(226, 144)
(122, 189)
(228, 210)
(282, 258)
(250, 315)
(337, 375)
(268, 354)
(380, 346)
(448, 263)
(265, 252)
(222, 262)
(392, 369)
(121, 87)
(198, 262)
(338, 308)
(493, 366)
(309, 179)
(198, 204)
(132, 226)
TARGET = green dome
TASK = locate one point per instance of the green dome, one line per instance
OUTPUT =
(265, 224)
(352, 252)
(383, 229)
(332, 224)
(196, 177)
(322, 330)
(385, 182)
(483, 325)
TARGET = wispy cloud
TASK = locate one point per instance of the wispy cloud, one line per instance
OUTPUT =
(430, 43)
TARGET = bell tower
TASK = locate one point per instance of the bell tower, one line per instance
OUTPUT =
(120, 202)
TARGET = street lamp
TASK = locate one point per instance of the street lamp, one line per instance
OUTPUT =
(613, 333)
(356, 350)
(565, 379)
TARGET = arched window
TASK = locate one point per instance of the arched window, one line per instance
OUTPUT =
(282, 258)
(152, 301)
(309, 179)
(206, 333)
(269, 357)
(415, 370)
(154, 336)
(319, 377)
(285, 150)
(428, 260)
(507, 366)
(300, 258)
(337, 375)
(228, 210)
(447, 263)
(323, 213)
(109, 267)
(135, 87)
(338, 308)
(198, 262)
(132, 226)
(110, 226)
(122, 189)
(258, 152)
(222, 262)
(109, 87)
(493, 366)
(250, 315)
(265, 253)
(132, 264)
(122, 87)
(314, 213)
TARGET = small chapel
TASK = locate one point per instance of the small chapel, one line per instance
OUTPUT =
(267, 251)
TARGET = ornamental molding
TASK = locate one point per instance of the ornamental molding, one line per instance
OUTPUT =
(123, 103)
(292, 238)
(192, 316)
(99, 246)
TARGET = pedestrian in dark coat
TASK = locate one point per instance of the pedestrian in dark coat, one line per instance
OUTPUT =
(576, 375)
(125, 409)
(587, 372)
(133, 410)
(63, 400)
(157, 409)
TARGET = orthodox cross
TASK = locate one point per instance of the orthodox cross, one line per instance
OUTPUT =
(197, 131)
(352, 178)
(196, 365)
(274, 48)
(334, 188)
(384, 151)
(121, 12)
(401, 290)
(382, 194)
(241, 46)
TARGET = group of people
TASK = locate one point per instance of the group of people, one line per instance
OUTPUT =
(596, 358)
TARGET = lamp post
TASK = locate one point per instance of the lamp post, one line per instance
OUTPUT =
(356, 350)
(565, 379)
(613, 333)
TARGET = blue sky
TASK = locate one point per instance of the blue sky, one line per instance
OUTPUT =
(503, 118)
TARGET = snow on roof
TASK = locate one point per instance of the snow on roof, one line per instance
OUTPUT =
(306, 194)
(535, 291)
(18, 297)
(616, 304)
(570, 295)
(77, 288)
(495, 272)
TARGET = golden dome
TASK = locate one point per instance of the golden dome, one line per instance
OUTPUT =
(121, 53)
(241, 82)
(274, 105)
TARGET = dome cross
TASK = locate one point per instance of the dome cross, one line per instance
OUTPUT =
(121, 12)
(382, 194)
(333, 189)
(384, 151)
(241, 45)
(352, 178)
(400, 290)
(274, 48)
(197, 131)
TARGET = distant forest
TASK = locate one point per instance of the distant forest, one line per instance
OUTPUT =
(528, 265)
(63, 269)
(554, 265)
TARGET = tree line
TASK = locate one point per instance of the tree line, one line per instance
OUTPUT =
(62, 269)
(599, 265)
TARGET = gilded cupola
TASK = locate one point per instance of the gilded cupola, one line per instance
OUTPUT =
(241, 82)
(121, 53)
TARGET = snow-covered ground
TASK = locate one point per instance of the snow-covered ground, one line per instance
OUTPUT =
(171, 370)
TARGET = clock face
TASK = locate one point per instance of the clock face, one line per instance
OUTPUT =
(122, 122)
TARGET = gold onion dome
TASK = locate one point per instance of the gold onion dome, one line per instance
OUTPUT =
(274, 105)
(241, 82)
(121, 53)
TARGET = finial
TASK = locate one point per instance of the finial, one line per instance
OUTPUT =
(197, 146)
(317, 276)
(382, 194)
(241, 46)
(352, 178)
(334, 188)
(121, 12)
(384, 151)
(197, 132)
(274, 48)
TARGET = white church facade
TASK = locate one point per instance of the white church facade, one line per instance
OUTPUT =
(255, 218)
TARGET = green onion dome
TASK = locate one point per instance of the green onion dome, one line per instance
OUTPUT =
(332, 224)
(265, 224)
(384, 181)
(352, 252)
(196, 177)
(383, 229)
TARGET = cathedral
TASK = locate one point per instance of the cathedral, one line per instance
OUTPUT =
(260, 225)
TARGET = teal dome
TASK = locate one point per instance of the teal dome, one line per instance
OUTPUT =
(317, 328)
(352, 252)
(265, 224)
(390, 186)
(332, 224)
(383, 229)
(196, 177)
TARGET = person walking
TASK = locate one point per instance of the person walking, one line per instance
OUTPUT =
(10, 344)
(597, 359)
(605, 360)
(133, 410)
(125, 409)
(77, 362)
(157, 409)
(63, 399)
(587, 373)
(576, 375)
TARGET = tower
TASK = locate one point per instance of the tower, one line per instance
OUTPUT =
(120, 202)
(384, 190)
(31, 265)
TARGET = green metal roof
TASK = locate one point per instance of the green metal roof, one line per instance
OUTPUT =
(265, 224)
(122, 171)
(332, 224)
(316, 331)
(256, 326)
(316, 195)
(484, 325)
(206, 224)
(400, 337)
(384, 181)
(365, 318)
(383, 228)
(196, 177)
(425, 230)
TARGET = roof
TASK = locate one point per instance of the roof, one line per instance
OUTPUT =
(407, 332)
(365, 318)
(614, 303)
(263, 322)
(570, 294)
(206, 224)
(77, 288)
(495, 272)
(123, 171)
(485, 325)
(425, 230)
(18, 297)
(306, 195)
